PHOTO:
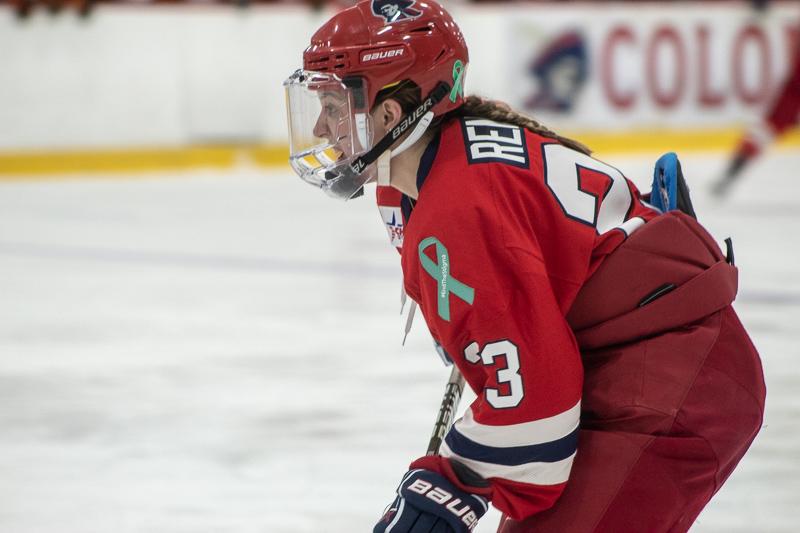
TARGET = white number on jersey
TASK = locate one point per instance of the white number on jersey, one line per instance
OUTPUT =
(562, 175)
(509, 374)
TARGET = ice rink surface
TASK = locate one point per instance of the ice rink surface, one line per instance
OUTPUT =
(220, 353)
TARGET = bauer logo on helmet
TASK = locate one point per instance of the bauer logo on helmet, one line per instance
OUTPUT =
(381, 54)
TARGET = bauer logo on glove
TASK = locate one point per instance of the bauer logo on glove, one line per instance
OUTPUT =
(428, 502)
(442, 497)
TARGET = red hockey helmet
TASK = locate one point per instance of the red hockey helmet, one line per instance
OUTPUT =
(360, 51)
(386, 41)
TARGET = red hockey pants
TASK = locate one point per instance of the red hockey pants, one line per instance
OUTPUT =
(665, 416)
(628, 478)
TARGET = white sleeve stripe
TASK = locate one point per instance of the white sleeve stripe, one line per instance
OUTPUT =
(524, 434)
(532, 473)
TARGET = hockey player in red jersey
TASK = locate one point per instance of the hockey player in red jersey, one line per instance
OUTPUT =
(616, 389)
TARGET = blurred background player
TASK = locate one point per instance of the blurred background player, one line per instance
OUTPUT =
(781, 115)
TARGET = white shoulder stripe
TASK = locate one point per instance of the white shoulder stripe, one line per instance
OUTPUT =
(524, 434)
(534, 473)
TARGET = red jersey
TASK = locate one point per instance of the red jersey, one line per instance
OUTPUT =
(507, 227)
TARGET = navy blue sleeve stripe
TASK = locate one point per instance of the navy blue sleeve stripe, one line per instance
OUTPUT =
(548, 452)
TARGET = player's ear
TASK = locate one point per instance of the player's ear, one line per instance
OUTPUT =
(388, 114)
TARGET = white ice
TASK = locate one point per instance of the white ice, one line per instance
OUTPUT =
(217, 352)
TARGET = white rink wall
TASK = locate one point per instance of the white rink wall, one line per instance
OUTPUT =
(176, 75)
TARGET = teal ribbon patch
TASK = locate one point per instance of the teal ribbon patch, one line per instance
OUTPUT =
(458, 80)
(441, 273)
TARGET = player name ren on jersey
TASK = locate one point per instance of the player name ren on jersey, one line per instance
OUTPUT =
(494, 142)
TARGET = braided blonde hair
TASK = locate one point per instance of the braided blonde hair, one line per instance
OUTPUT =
(476, 106)
(408, 95)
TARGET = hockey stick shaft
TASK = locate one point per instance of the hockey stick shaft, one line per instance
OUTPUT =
(447, 411)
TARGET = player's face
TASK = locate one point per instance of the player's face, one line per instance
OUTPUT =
(333, 123)
(327, 132)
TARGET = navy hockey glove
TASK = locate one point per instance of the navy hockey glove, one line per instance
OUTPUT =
(429, 502)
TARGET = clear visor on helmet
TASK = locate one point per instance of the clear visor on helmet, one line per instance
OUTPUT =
(329, 127)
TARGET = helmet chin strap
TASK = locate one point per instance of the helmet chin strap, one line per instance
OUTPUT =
(384, 160)
(384, 168)
(419, 120)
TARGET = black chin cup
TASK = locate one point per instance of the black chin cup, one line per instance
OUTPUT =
(345, 184)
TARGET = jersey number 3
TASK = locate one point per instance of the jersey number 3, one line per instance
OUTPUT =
(563, 169)
(509, 375)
